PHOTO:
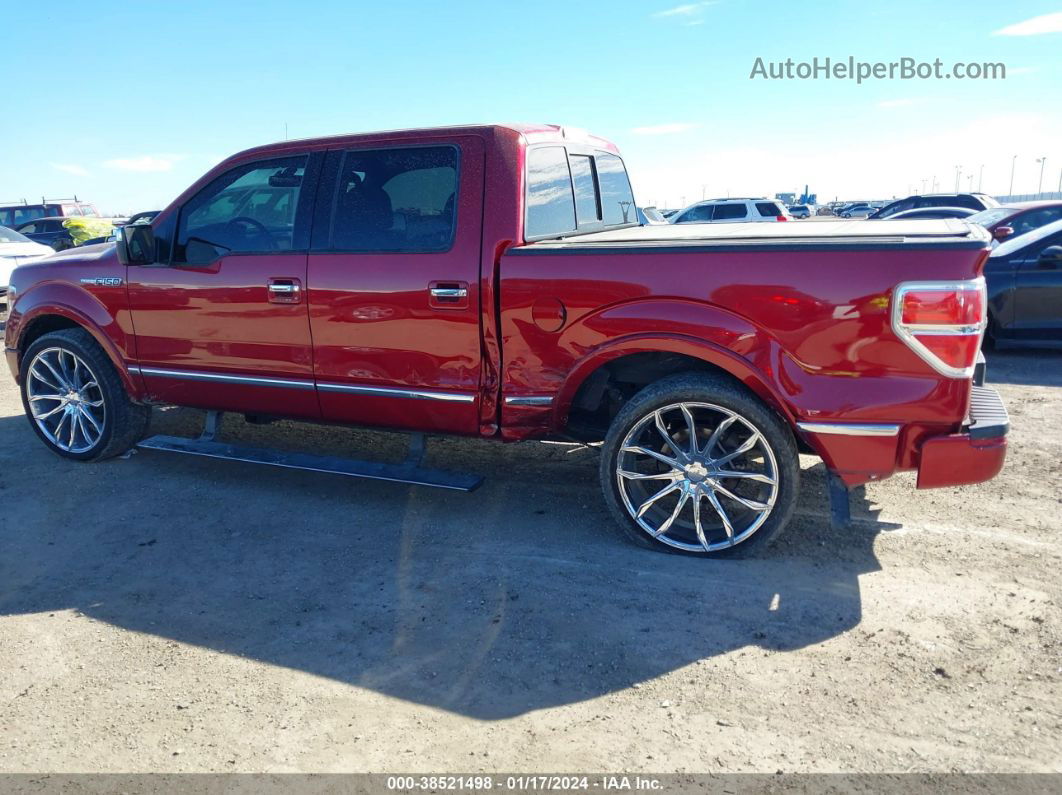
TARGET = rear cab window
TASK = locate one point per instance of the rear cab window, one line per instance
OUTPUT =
(573, 190)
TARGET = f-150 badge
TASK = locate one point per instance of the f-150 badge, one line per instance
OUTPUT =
(104, 281)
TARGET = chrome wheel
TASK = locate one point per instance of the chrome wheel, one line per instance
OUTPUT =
(65, 399)
(697, 476)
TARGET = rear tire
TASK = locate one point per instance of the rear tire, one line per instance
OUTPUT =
(74, 399)
(696, 464)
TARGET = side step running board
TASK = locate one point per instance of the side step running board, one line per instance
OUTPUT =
(409, 471)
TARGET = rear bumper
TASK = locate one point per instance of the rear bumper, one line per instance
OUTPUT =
(973, 456)
(859, 453)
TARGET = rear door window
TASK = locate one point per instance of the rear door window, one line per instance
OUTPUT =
(550, 198)
(400, 199)
(729, 212)
(770, 209)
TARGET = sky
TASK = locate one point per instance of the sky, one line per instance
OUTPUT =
(126, 104)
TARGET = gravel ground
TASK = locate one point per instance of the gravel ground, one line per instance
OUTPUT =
(170, 613)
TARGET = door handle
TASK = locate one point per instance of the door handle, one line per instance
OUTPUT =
(284, 291)
(448, 295)
(449, 292)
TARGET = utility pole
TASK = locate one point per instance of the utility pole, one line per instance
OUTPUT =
(958, 173)
(1040, 185)
(704, 188)
(980, 177)
(1013, 160)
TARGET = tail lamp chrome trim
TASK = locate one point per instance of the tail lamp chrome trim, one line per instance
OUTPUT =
(850, 428)
(907, 332)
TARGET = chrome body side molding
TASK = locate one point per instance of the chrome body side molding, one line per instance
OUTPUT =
(850, 428)
(529, 400)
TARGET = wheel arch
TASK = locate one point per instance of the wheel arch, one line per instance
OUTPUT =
(654, 357)
(44, 317)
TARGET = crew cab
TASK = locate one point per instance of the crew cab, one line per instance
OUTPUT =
(493, 281)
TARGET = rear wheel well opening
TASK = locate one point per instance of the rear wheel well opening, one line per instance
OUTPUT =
(40, 326)
(607, 389)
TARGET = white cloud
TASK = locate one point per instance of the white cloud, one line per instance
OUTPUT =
(896, 103)
(687, 10)
(143, 163)
(1048, 23)
(664, 129)
(70, 168)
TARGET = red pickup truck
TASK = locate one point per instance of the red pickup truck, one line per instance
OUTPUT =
(493, 281)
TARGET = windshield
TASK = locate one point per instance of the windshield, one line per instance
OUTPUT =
(11, 236)
(989, 217)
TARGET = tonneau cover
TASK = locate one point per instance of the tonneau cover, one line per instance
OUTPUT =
(794, 233)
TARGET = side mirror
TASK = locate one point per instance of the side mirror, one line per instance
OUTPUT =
(1002, 232)
(1050, 257)
(136, 245)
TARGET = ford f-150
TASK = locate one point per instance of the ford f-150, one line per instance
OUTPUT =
(493, 281)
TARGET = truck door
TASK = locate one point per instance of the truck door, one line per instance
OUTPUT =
(224, 323)
(393, 285)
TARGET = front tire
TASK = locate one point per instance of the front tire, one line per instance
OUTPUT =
(74, 399)
(696, 464)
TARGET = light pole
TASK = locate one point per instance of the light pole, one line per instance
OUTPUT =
(1013, 160)
(980, 177)
(1040, 185)
(971, 183)
(958, 173)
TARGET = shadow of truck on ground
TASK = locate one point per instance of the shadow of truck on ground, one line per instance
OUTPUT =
(517, 597)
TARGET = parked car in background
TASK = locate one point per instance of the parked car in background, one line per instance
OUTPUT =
(12, 214)
(47, 231)
(858, 210)
(650, 216)
(825, 210)
(932, 212)
(975, 201)
(731, 211)
(63, 233)
(1024, 276)
(1016, 219)
(800, 211)
(15, 250)
(145, 217)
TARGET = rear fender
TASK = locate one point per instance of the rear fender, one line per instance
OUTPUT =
(712, 335)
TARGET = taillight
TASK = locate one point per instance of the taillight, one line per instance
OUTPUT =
(942, 322)
(781, 218)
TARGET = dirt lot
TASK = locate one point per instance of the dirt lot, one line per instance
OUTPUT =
(171, 613)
